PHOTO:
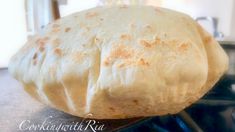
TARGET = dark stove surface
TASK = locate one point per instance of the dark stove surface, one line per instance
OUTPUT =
(215, 112)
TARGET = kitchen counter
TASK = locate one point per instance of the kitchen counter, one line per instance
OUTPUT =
(20, 112)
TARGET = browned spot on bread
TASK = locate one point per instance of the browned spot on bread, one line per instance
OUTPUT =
(125, 37)
(111, 108)
(91, 14)
(42, 41)
(157, 40)
(58, 51)
(35, 56)
(106, 62)
(183, 47)
(96, 40)
(41, 46)
(56, 42)
(55, 30)
(121, 65)
(207, 39)
(121, 52)
(143, 62)
(118, 52)
(124, 56)
(128, 62)
(136, 101)
(67, 29)
(145, 43)
(150, 44)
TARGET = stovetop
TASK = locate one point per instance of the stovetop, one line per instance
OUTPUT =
(215, 112)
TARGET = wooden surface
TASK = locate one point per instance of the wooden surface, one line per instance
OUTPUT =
(17, 107)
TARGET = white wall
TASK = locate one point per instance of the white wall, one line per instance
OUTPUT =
(76, 5)
(12, 29)
(232, 29)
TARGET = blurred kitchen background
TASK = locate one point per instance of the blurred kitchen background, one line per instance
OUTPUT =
(22, 18)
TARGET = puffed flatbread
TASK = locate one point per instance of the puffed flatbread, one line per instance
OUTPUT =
(120, 62)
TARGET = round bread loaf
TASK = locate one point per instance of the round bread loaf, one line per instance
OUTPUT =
(120, 62)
